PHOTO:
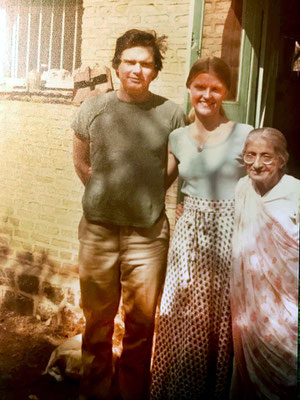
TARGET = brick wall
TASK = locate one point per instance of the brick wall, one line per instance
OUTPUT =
(104, 21)
(215, 13)
(40, 194)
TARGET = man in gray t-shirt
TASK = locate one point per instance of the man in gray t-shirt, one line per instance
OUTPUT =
(120, 155)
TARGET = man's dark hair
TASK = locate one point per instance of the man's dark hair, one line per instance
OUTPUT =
(136, 37)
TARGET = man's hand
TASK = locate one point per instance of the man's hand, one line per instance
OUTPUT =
(81, 158)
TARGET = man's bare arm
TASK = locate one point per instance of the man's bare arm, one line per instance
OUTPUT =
(81, 158)
(172, 169)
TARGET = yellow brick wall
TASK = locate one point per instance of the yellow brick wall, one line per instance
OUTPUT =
(215, 13)
(105, 21)
(40, 194)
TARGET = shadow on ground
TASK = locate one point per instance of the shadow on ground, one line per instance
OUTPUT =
(25, 348)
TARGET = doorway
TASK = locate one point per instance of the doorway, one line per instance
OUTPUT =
(286, 115)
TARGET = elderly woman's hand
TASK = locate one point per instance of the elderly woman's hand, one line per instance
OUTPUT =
(179, 210)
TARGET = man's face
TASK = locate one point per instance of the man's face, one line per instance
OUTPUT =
(136, 71)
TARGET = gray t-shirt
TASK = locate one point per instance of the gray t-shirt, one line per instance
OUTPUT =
(128, 151)
(213, 173)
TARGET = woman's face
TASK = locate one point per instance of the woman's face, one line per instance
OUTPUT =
(207, 93)
(261, 174)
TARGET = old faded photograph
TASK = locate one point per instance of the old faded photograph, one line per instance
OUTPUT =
(149, 199)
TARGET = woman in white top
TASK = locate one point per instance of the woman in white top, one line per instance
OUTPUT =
(264, 279)
(193, 351)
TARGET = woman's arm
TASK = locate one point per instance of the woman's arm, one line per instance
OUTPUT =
(81, 158)
(172, 168)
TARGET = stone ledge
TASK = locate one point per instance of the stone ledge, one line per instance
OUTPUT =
(39, 96)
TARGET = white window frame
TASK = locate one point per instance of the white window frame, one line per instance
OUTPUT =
(13, 80)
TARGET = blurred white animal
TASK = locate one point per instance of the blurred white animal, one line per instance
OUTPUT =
(65, 360)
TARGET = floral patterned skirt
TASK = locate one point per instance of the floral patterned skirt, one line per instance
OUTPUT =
(193, 350)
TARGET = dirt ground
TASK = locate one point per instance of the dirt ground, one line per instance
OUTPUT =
(25, 348)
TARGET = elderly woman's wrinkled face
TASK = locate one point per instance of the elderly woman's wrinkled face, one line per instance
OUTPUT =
(262, 163)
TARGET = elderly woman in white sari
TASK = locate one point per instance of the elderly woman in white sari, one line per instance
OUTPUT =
(264, 278)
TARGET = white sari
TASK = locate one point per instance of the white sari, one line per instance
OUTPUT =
(264, 290)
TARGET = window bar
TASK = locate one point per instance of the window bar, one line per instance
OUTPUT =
(28, 37)
(38, 66)
(75, 37)
(13, 46)
(16, 46)
(62, 35)
(51, 36)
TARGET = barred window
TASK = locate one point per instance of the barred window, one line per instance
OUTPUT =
(42, 37)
